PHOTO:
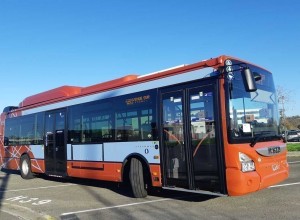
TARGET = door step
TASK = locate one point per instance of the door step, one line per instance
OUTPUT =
(195, 191)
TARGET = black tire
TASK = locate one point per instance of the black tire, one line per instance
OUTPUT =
(25, 167)
(136, 177)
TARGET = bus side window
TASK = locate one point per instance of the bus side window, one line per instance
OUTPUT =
(6, 141)
(146, 130)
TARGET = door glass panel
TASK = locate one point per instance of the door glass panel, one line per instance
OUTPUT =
(203, 141)
(60, 141)
(49, 142)
(173, 128)
(60, 121)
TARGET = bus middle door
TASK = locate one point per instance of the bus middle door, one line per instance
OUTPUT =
(55, 149)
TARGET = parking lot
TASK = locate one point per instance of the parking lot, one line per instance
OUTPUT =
(50, 198)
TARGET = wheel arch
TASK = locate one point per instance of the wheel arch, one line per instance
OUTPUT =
(24, 154)
(126, 167)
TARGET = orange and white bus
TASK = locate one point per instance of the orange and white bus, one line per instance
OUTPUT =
(209, 127)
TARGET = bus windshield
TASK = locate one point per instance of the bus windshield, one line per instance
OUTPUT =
(252, 115)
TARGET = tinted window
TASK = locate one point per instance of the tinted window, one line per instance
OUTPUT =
(134, 125)
(124, 118)
(12, 131)
(24, 130)
(90, 123)
(135, 117)
(292, 133)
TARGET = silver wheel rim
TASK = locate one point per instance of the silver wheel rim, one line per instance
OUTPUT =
(25, 167)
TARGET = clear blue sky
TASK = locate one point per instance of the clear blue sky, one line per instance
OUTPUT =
(50, 43)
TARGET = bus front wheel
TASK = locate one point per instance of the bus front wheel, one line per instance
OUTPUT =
(136, 177)
(25, 167)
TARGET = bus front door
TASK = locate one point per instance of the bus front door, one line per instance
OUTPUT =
(190, 150)
(55, 150)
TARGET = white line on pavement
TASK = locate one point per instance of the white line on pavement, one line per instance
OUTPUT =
(44, 187)
(117, 206)
(294, 162)
(288, 184)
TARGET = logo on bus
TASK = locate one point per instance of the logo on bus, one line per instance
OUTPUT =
(274, 150)
(275, 167)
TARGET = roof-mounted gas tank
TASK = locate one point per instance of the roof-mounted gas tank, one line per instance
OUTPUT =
(51, 95)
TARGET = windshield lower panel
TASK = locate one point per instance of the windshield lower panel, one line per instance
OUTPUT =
(252, 115)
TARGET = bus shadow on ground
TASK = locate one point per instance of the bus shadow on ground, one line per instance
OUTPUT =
(124, 189)
(120, 188)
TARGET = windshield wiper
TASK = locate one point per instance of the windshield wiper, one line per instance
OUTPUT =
(257, 138)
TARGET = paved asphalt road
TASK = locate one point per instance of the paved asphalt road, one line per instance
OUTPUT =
(47, 198)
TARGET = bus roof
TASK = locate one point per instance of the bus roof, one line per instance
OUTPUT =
(69, 92)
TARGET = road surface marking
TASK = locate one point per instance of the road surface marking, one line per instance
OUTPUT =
(294, 162)
(125, 205)
(44, 187)
(288, 184)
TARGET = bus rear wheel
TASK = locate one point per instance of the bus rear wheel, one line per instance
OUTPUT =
(136, 177)
(25, 167)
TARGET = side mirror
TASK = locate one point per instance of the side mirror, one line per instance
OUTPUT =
(248, 79)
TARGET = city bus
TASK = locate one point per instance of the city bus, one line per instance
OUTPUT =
(210, 127)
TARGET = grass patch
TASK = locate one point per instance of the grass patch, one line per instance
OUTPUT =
(293, 147)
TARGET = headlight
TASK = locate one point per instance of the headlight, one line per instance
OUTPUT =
(246, 163)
